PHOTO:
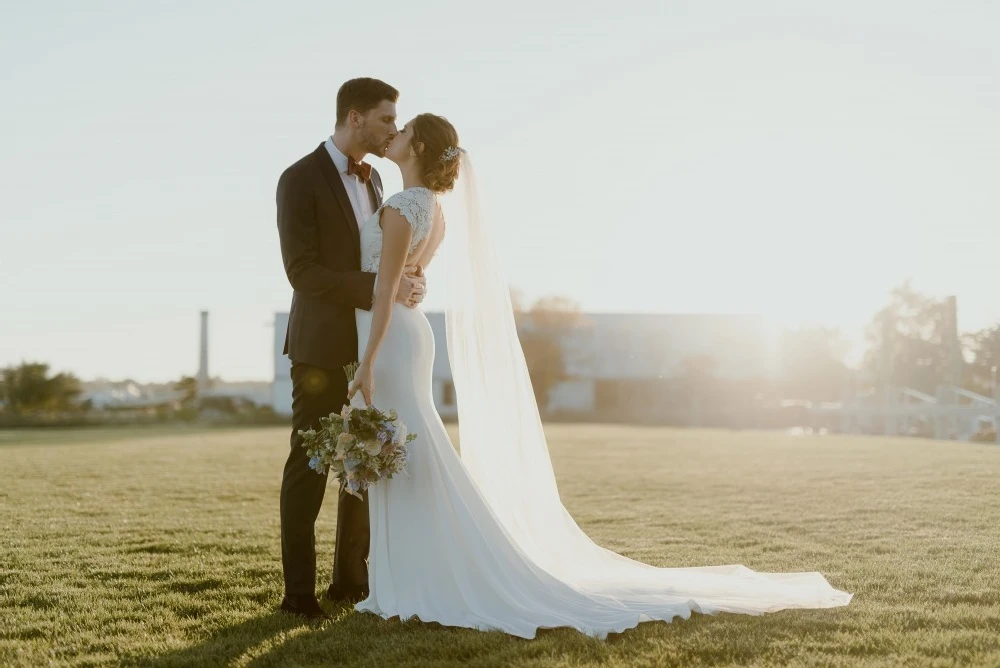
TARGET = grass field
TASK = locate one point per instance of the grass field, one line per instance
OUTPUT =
(160, 548)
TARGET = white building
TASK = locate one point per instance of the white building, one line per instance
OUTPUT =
(610, 358)
(125, 395)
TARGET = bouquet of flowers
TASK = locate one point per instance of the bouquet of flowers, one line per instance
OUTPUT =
(361, 445)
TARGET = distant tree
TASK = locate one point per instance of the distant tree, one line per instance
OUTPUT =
(29, 388)
(66, 390)
(813, 364)
(915, 324)
(227, 405)
(188, 387)
(984, 347)
(543, 330)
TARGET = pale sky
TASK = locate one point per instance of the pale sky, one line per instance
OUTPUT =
(779, 157)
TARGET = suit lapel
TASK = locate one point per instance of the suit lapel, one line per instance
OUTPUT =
(332, 178)
(375, 189)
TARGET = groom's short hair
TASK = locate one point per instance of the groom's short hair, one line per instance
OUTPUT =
(362, 95)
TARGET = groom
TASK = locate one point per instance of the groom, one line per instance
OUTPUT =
(322, 201)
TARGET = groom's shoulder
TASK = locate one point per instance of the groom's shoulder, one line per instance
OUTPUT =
(299, 170)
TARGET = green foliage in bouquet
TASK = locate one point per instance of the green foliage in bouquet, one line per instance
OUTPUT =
(360, 445)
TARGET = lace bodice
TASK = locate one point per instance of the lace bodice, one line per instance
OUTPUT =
(416, 205)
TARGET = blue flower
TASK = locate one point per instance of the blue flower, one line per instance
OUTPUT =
(315, 463)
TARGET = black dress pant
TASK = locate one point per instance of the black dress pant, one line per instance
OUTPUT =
(316, 393)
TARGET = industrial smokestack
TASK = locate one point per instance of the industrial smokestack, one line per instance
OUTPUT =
(203, 357)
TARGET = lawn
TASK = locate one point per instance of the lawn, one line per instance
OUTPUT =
(160, 548)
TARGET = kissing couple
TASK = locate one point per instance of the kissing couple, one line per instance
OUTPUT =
(480, 539)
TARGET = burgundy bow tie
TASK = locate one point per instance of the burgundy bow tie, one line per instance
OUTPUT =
(360, 169)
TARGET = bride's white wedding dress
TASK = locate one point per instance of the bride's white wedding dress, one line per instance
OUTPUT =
(456, 542)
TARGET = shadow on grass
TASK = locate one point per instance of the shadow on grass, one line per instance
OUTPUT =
(277, 639)
(227, 644)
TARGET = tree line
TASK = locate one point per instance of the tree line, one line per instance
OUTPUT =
(910, 335)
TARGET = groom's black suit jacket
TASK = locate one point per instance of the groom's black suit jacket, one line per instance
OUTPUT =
(321, 250)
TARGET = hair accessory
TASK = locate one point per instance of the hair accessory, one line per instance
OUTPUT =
(451, 153)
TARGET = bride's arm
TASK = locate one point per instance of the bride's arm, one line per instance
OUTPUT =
(396, 236)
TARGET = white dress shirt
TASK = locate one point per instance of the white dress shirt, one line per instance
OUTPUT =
(357, 191)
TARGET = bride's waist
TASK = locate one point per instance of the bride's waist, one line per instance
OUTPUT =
(398, 311)
(408, 327)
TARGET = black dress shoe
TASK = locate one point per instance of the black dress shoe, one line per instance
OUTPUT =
(338, 595)
(304, 606)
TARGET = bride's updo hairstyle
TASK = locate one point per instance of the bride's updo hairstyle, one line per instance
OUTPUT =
(438, 164)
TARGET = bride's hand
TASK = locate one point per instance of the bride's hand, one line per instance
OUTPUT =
(364, 382)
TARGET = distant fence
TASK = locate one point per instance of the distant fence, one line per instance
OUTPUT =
(953, 413)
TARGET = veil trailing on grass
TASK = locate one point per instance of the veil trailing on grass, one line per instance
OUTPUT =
(504, 448)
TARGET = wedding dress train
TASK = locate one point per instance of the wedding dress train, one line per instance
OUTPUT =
(482, 541)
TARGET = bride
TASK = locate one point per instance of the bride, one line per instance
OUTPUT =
(483, 541)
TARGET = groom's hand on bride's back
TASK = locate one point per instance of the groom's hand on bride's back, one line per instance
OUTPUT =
(412, 286)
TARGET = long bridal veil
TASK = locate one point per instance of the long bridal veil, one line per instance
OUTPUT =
(503, 446)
